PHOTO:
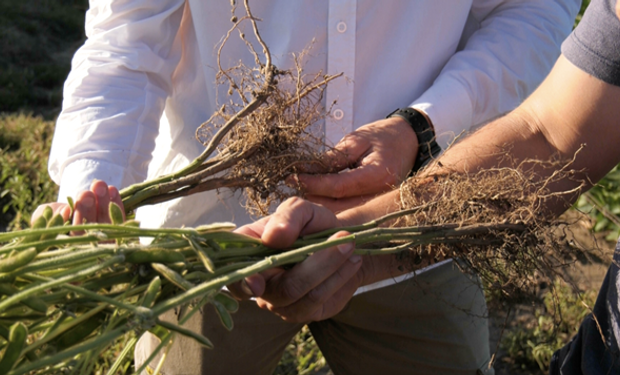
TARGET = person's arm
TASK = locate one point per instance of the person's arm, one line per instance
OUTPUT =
(113, 100)
(569, 109)
(115, 93)
(512, 49)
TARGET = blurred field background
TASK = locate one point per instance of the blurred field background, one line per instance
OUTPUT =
(38, 39)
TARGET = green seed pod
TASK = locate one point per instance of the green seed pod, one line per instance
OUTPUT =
(19, 260)
(224, 315)
(56, 221)
(108, 280)
(47, 213)
(188, 333)
(34, 303)
(231, 304)
(214, 245)
(151, 292)
(202, 255)
(172, 276)
(39, 223)
(116, 214)
(154, 256)
(4, 332)
(198, 275)
(17, 339)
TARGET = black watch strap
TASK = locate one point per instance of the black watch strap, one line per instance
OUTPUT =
(428, 148)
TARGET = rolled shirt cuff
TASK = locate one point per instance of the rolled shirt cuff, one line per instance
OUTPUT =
(448, 105)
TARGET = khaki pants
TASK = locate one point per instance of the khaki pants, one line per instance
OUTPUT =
(434, 323)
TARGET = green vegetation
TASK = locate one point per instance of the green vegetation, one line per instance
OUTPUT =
(302, 356)
(602, 202)
(24, 181)
(556, 322)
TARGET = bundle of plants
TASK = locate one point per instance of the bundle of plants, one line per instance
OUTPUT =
(65, 299)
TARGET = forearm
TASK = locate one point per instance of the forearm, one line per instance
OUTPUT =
(572, 116)
(569, 110)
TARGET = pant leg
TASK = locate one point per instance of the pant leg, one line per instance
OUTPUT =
(253, 347)
(434, 323)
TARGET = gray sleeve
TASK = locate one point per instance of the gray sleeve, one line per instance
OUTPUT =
(594, 46)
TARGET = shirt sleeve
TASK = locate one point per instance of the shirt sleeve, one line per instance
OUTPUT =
(114, 96)
(594, 45)
(512, 48)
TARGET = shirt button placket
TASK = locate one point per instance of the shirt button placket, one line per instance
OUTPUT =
(340, 59)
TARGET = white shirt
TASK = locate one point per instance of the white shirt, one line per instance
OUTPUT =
(144, 80)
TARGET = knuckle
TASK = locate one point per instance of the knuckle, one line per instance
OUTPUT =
(292, 291)
(317, 295)
(346, 272)
(292, 203)
(339, 189)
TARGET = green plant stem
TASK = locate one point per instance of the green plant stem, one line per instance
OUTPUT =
(369, 225)
(84, 347)
(67, 279)
(135, 189)
(95, 296)
(53, 333)
(63, 261)
(121, 357)
(61, 272)
(169, 335)
(129, 231)
(231, 267)
(293, 256)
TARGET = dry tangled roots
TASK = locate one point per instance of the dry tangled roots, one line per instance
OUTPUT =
(512, 263)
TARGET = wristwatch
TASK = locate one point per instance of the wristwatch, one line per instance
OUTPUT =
(427, 146)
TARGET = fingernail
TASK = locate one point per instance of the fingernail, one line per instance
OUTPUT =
(112, 194)
(88, 202)
(101, 191)
(345, 248)
(355, 258)
(246, 288)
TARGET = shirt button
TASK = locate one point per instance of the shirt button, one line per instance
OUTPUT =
(338, 114)
(341, 27)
